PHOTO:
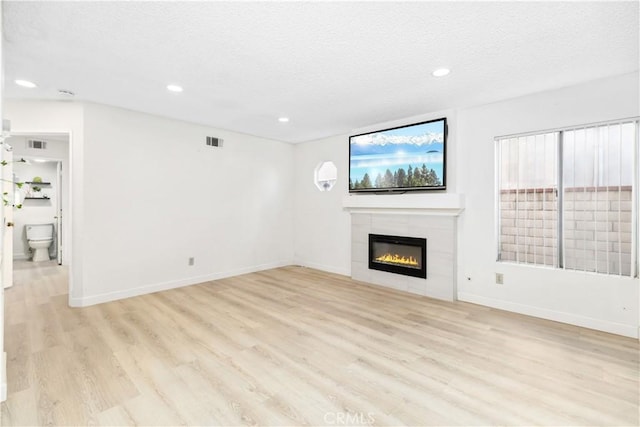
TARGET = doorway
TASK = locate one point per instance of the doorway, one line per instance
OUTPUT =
(41, 197)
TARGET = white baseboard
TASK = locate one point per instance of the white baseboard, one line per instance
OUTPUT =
(164, 286)
(3, 378)
(20, 256)
(327, 268)
(631, 331)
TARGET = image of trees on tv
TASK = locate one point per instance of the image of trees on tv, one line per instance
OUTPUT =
(406, 157)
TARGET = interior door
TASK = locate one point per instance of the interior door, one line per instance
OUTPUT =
(7, 219)
(58, 216)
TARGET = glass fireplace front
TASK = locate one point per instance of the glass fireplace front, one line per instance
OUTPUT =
(397, 254)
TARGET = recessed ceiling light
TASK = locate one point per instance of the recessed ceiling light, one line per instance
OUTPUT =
(26, 83)
(174, 88)
(283, 119)
(441, 72)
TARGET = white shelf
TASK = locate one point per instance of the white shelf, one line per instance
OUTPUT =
(449, 204)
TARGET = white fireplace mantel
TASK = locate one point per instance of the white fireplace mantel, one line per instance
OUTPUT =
(447, 204)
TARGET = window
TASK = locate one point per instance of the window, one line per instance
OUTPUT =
(325, 175)
(567, 198)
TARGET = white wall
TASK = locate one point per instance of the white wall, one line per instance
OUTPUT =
(152, 195)
(140, 220)
(322, 226)
(156, 195)
(29, 117)
(33, 211)
(322, 229)
(597, 301)
(57, 146)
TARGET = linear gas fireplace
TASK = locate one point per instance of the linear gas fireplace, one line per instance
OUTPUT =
(401, 255)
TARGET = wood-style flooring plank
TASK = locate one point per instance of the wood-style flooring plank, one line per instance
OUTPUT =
(295, 346)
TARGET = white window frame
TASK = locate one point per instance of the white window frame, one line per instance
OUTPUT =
(560, 189)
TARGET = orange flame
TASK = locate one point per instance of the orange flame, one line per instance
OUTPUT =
(398, 259)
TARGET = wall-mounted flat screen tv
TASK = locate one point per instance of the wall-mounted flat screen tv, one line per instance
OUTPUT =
(405, 158)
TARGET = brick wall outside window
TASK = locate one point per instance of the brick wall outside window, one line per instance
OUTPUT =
(590, 225)
(597, 228)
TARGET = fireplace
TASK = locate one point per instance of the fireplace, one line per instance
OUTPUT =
(400, 255)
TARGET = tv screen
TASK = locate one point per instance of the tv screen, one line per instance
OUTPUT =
(404, 158)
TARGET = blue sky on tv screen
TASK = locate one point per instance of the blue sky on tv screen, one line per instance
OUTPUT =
(413, 146)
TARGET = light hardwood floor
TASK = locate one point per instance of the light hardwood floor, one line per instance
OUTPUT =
(296, 346)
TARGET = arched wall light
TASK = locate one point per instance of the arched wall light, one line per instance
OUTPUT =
(325, 175)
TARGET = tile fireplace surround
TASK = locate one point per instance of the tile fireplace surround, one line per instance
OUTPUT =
(430, 216)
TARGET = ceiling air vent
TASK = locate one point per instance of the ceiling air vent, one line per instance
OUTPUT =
(214, 142)
(37, 145)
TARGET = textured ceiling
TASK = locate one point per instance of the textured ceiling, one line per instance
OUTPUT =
(329, 66)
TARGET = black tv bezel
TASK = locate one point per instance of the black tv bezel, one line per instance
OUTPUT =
(405, 189)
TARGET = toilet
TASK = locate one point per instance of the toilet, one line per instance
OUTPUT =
(39, 238)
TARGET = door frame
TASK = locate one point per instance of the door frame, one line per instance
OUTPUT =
(3, 256)
(69, 194)
(8, 186)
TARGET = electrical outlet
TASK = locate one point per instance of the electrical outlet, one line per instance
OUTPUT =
(192, 261)
(499, 279)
